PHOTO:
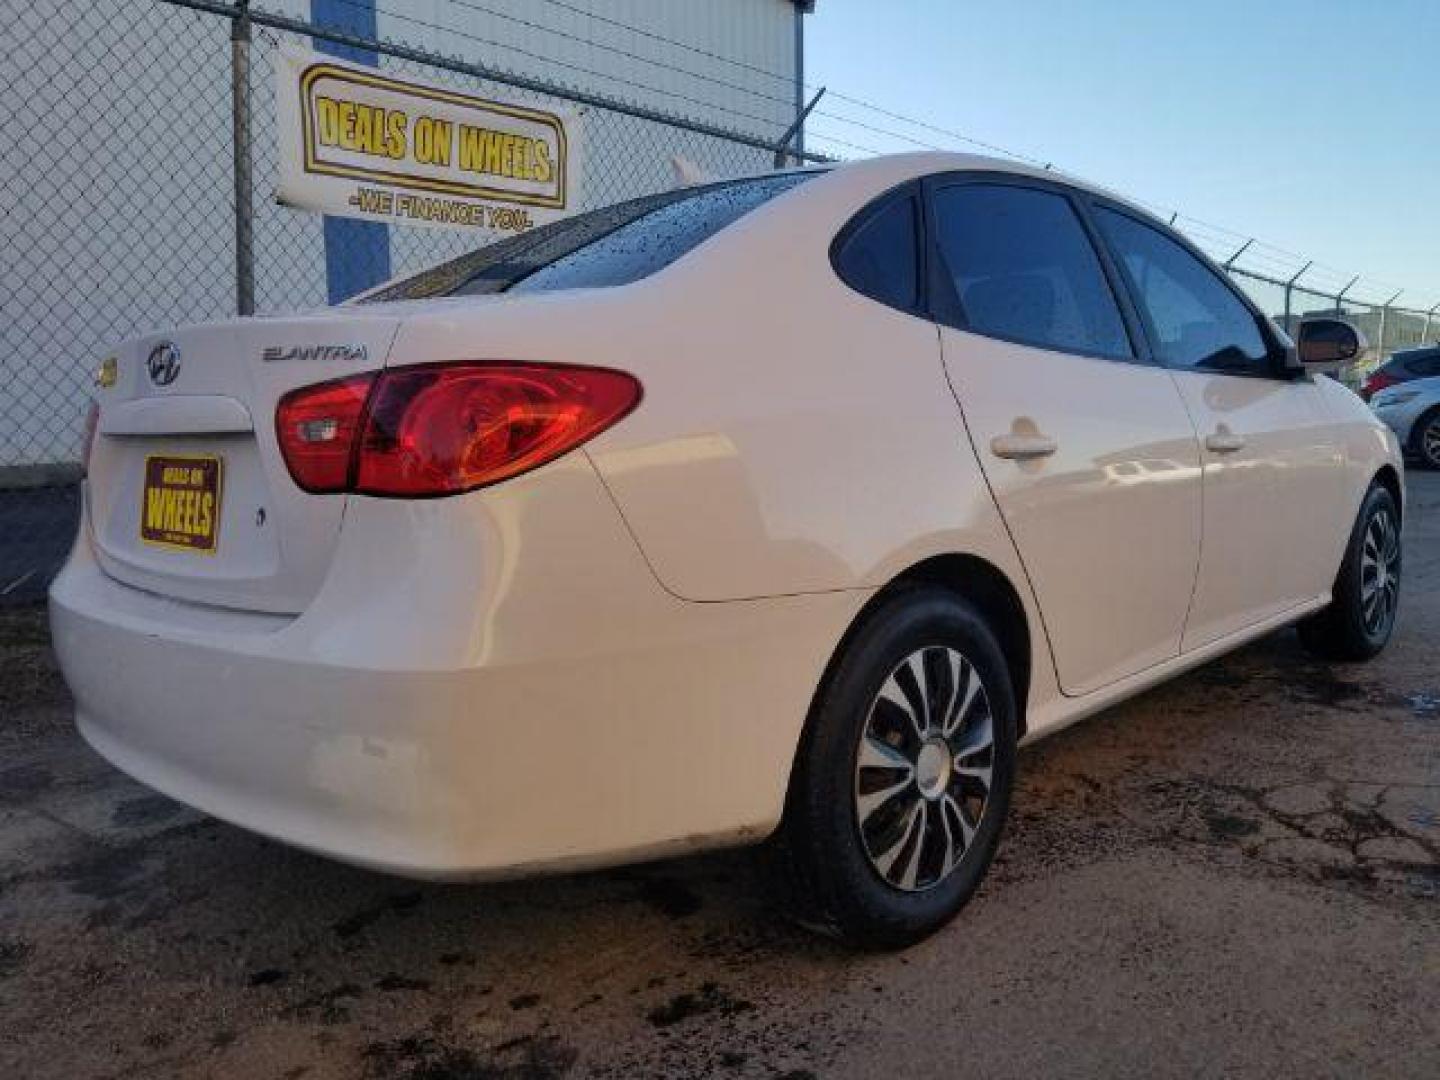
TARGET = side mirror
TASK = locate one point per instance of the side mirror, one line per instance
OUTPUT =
(1328, 342)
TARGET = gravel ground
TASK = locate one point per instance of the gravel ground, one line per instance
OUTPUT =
(1235, 874)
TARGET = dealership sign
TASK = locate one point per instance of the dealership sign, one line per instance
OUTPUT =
(359, 143)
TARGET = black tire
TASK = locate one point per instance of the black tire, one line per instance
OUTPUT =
(828, 878)
(1348, 629)
(1425, 442)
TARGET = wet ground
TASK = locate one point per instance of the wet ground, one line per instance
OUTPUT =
(36, 527)
(1235, 874)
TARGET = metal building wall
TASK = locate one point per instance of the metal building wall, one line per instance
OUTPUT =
(116, 157)
(756, 33)
(736, 70)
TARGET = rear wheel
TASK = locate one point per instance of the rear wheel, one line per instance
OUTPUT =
(1427, 439)
(1361, 615)
(903, 781)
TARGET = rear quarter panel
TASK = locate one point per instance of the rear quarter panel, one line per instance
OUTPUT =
(795, 435)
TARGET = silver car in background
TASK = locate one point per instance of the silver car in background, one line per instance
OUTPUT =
(1412, 411)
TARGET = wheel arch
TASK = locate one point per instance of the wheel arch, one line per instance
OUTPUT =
(983, 584)
(1417, 432)
(1388, 478)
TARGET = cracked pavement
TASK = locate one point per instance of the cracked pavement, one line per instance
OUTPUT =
(1237, 873)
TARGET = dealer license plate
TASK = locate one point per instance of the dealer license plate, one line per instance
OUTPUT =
(180, 503)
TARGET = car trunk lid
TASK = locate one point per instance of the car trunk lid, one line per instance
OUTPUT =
(188, 494)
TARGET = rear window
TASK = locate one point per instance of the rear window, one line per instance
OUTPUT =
(1418, 363)
(1426, 366)
(613, 246)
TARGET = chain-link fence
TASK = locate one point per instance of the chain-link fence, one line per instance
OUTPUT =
(1386, 327)
(121, 158)
(118, 188)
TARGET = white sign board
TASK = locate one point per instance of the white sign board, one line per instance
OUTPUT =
(359, 143)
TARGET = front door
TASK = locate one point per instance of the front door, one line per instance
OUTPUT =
(1088, 449)
(1270, 451)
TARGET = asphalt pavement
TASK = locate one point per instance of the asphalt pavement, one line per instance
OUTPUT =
(1235, 874)
(37, 525)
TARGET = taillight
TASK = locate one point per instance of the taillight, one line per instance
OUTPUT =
(317, 428)
(441, 429)
(1374, 383)
(92, 424)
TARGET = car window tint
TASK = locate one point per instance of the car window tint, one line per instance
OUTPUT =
(1024, 269)
(879, 258)
(624, 242)
(1196, 320)
(1425, 366)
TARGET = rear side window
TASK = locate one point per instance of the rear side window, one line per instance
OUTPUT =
(880, 257)
(1196, 320)
(1425, 366)
(611, 246)
(1024, 269)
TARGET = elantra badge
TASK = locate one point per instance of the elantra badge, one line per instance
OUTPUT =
(343, 354)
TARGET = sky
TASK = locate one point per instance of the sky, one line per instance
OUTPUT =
(1313, 125)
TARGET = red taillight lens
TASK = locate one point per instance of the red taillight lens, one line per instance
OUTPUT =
(1374, 383)
(445, 428)
(317, 428)
(449, 428)
(92, 424)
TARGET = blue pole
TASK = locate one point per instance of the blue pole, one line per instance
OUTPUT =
(357, 253)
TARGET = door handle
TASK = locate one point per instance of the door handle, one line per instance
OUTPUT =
(1022, 447)
(1224, 442)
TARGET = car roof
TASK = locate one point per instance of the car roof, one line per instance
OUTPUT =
(1416, 352)
(886, 170)
(920, 163)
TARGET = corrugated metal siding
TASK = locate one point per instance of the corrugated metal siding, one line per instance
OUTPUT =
(681, 57)
(569, 47)
(118, 116)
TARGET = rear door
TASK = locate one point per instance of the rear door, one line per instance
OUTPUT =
(187, 493)
(1086, 446)
(1274, 488)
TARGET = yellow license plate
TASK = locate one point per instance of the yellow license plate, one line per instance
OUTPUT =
(180, 504)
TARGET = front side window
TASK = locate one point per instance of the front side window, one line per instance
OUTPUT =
(880, 257)
(1195, 319)
(1023, 269)
(615, 245)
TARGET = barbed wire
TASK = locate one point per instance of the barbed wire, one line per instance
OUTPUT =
(1282, 260)
(1258, 255)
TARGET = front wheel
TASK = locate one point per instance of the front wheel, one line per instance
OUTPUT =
(902, 783)
(1361, 616)
(1427, 439)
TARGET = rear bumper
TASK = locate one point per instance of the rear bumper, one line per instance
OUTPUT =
(546, 708)
(361, 765)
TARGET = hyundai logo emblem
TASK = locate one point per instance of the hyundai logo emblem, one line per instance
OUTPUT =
(163, 363)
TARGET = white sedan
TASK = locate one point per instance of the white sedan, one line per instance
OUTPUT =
(779, 508)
